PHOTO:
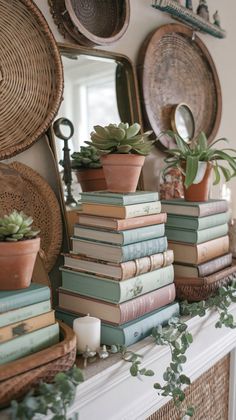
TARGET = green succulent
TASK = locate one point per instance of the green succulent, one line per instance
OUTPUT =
(88, 157)
(16, 226)
(121, 138)
(192, 159)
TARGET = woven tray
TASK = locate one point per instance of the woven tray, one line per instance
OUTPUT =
(18, 377)
(29, 98)
(93, 22)
(22, 188)
(175, 69)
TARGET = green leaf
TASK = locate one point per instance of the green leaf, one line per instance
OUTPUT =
(191, 170)
(133, 130)
(190, 411)
(202, 141)
(217, 174)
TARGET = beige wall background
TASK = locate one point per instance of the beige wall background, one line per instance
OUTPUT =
(145, 19)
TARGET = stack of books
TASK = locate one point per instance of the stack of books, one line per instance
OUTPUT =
(120, 269)
(198, 235)
(27, 323)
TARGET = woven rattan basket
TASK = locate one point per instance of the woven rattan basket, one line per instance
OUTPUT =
(18, 377)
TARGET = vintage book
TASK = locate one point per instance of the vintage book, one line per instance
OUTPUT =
(200, 253)
(26, 326)
(20, 314)
(115, 291)
(125, 237)
(205, 269)
(18, 298)
(29, 343)
(122, 212)
(196, 223)
(197, 236)
(131, 332)
(117, 253)
(226, 273)
(194, 208)
(120, 313)
(120, 271)
(124, 199)
(121, 224)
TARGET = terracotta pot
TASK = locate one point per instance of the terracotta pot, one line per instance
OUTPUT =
(17, 261)
(122, 171)
(91, 179)
(200, 191)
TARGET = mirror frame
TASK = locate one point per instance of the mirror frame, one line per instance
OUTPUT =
(173, 119)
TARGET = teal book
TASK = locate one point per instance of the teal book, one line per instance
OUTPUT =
(194, 208)
(29, 343)
(131, 332)
(198, 236)
(104, 197)
(21, 314)
(112, 290)
(124, 237)
(18, 298)
(196, 223)
(118, 253)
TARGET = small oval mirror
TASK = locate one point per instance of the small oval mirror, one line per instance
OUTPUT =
(182, 121)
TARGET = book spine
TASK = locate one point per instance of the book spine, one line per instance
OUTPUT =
(215, 265)
(143, 234)
(26, 312)
(143, 249)
(212, 249)
(20, 328)
(119, 200)
(29, 343)
(24, 299)
(208, 222)
(142, 209)
(212, 233)
(143, 265)
(213, 208)
(147, 303)
(152, 219)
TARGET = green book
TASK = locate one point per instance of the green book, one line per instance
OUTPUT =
(198, 236)
(131, 332)
(112, 290)
(196, 223)
(20, 314)
(194, 208)
(104, 197)
(18, 298)
(29, 343)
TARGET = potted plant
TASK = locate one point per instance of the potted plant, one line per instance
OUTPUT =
(88, 169)
(196, 161)
(19, 246)
(123, 149)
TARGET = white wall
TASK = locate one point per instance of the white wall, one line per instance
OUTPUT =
(145, 19)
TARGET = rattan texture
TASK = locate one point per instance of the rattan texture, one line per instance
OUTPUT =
(23, 189)
(91, 22)
(209, 394)
(23, 374)
(174, 69)
(31, 76)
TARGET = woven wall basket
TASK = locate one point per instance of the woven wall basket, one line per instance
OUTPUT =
(173, 69)
(31, 76)
(91, 22)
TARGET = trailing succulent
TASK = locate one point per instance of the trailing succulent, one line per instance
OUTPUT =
(187, 158)
(16, 226)
(121, 138)
(87, 157)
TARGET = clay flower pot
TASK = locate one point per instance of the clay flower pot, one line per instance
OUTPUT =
(122, 171)
(17, 261)
(200, 191)
(91, 179)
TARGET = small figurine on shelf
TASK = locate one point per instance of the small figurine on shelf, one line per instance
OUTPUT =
(189, 4)
(202, 10)
(216, 18)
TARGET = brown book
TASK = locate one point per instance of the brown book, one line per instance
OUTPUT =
(121, 212)
(229, 272)
(205, 269)
(110, 223)
(122, 271)
(120, 313)
(199, 253)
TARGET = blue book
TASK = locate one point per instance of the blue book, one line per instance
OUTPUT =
(196, 223)
(18, 298)
(196, 236)
(105, 197)
(26, 312)
(131, 332)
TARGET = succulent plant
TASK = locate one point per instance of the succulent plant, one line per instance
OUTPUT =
(121, 138)
(16, 226)
(88, 157)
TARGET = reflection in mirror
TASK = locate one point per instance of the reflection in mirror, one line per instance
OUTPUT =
(182, 122)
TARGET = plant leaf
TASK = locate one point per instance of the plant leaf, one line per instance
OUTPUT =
(191, 170)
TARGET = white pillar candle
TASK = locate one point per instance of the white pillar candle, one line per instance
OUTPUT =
(88, 332)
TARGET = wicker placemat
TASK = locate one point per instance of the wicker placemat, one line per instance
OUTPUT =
(174, 68)
(31, 77)
(22, 188)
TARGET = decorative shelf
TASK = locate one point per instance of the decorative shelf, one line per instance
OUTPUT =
(188, 17)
